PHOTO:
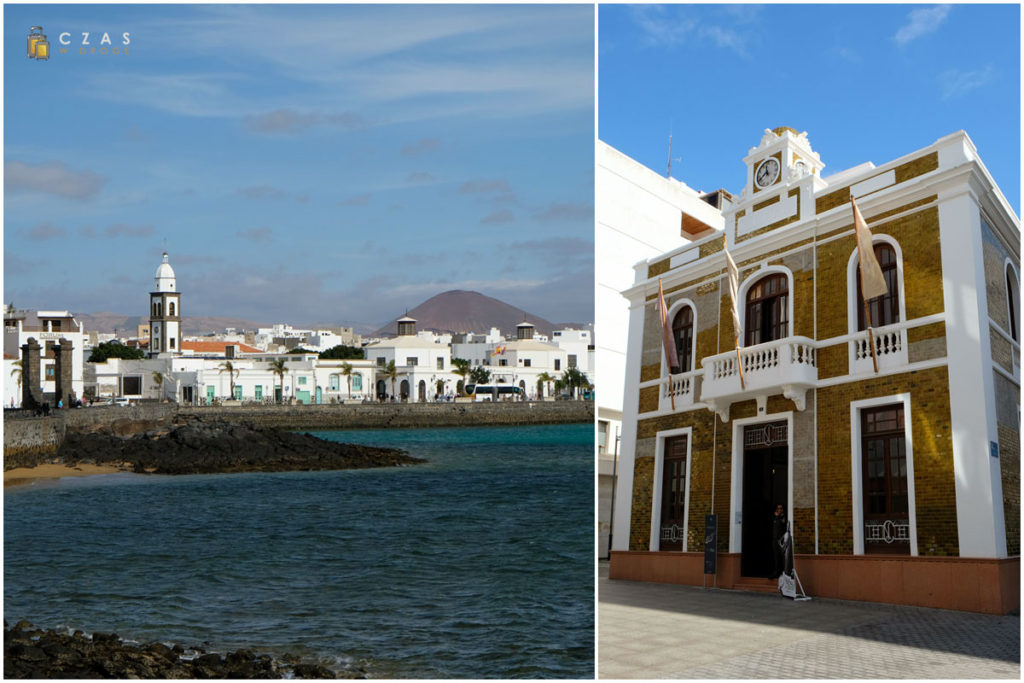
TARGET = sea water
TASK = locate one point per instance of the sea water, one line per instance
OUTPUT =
(477, 564)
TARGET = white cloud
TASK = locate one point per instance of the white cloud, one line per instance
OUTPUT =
(660, 30)
(847, 54)
(957, 82)
(52, 177)
(493, 61)
(663, 26)
(921, 22)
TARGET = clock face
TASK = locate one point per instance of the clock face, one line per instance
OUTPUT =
(767, 173)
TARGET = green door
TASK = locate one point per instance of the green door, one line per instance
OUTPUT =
(303, 397)
(238, 392)
(259, 392)
(319, 395)
(209, 393)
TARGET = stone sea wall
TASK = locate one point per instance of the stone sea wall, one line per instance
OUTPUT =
(25, 433)
(376, 415)
(36, 435)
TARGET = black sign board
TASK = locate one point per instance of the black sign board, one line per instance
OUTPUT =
(710, 543)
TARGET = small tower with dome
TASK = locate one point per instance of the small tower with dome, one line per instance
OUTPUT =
(164, 313)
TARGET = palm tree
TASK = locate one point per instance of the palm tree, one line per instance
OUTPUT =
(391, 372)
(346, 369)
(229, 367)
(545, 379)
(460, 367)
(277, 366)
(16, 373)
(573, 379)
(158, 377)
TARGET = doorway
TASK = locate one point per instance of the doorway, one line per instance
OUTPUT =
(765, 484)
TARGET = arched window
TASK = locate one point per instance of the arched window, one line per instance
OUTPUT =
(1012, 300)
(682, 335)
(154, 311)
(170, 308)
(885, 309)
(768, 310)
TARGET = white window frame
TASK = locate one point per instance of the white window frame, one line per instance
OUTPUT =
(659, 467)
(852, 311)
(856, 469)
(672, 312)
(1009, 266)
(753, 279)
(736, 492)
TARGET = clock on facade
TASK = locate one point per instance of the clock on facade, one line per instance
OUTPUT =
(767, 172)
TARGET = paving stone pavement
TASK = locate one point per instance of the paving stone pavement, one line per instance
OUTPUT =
(648, 630)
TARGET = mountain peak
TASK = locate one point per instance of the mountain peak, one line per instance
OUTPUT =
(461, 310)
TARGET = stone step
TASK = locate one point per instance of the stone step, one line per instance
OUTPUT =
(757, 584)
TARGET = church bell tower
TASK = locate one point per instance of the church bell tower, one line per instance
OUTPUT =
(164, 314)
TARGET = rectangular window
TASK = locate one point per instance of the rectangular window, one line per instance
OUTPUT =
(302, 380)
(526, 362)
(412, 360)
(50, 372)
(132, 385)
(172, 342)
(884, 477)
(381, 361)
(440, 363)
(558, 364)
(572, 360)
(602, 436)
(503, 362)
(673, 493)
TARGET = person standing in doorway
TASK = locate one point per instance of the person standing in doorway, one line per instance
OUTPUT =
(778, 531)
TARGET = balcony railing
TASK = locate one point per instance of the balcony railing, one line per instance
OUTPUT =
(787, 366)
(678, 391)
(890, 348)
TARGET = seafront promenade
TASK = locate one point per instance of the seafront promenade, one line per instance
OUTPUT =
(26, 433)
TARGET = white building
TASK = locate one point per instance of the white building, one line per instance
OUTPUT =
(639, 214)
(423, 362)
(47, 328)
(579, 347)
(204, 371)
(522, 361)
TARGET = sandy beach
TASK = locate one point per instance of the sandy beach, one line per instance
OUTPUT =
(21, 476)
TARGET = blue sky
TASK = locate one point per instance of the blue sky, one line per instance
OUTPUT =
(867, 83)
(303, 163)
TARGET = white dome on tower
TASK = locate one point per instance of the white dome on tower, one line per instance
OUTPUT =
(165, 280)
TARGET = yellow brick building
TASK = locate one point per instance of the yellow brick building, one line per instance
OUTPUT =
(899, 470)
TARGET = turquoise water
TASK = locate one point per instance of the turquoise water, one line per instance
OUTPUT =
(478, 564)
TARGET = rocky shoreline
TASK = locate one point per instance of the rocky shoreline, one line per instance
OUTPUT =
(202, 447)
(30, 652)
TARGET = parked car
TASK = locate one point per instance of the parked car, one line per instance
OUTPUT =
(119, 401)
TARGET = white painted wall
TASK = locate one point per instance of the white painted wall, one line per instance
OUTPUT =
(639, 216)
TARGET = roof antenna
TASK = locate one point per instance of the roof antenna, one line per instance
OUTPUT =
(670, 159)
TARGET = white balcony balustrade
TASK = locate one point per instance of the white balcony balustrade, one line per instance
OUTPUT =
(678, 391)
(890, 349)
(784, 366)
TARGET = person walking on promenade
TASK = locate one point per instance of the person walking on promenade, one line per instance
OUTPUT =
(778, 531)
